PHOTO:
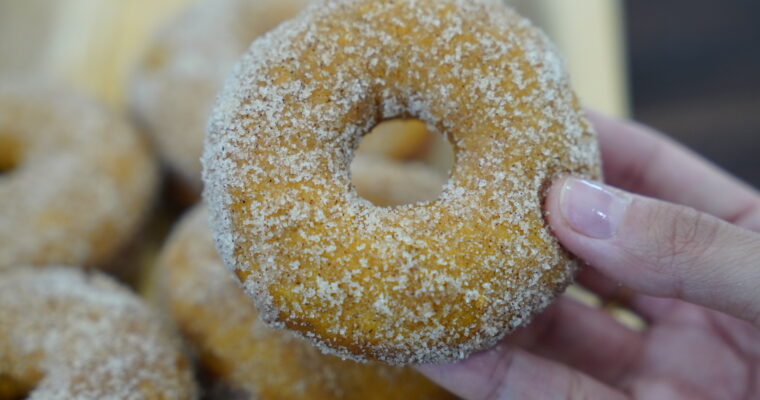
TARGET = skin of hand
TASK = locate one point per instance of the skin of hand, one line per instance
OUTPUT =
(685, 248)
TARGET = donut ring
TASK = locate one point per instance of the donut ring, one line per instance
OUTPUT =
(175, 84)
(65, 334)
(242, 352)
(424, 283)
(78, 179)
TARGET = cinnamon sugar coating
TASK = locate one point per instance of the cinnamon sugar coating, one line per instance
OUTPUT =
(248, 357)
(175, 84)
(78, 179)
(428, 282)
(68, 334)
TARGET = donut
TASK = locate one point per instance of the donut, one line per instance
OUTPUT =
(249, 358)
(67, 334)
(429, 282)
(174, 84)
(77, 179)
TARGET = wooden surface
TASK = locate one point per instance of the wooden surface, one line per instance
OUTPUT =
(99, 41)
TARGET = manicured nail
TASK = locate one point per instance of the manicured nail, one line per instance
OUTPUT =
(591, 209)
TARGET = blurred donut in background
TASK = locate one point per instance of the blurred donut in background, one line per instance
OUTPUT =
(386, 182)
(75, 179)
(67, 334)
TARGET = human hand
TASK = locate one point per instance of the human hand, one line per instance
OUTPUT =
(694, 276)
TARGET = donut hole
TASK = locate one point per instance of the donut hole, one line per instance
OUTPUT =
(400, 161)
(14, 389)
(10, 156)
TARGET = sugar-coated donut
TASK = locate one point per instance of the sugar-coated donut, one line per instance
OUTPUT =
(67, 334)
(78, 179)
(253, 360)
(422, 283)
(175, 84)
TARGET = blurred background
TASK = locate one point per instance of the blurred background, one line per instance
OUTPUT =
(695, 73)
(688, 67)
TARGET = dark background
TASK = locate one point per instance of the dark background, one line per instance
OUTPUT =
(695, 74)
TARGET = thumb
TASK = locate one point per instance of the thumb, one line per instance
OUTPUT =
(658, 248)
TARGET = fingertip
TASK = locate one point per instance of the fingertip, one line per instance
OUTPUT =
(557, 222)
(586, 208)
(586, 218)
(433, 371)
(551, 204)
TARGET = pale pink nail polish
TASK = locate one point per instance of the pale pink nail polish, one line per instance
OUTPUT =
(591, 209)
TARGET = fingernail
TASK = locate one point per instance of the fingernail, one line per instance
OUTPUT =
(591, 209)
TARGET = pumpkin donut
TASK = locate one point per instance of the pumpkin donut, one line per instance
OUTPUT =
(76, 180)
(249, 358)
(67, 334)
(429, 282)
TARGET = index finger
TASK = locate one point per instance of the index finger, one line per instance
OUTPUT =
(638, 159)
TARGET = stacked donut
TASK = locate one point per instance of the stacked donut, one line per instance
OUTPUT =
(176, 82)
(321, 259)
(77, 181)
